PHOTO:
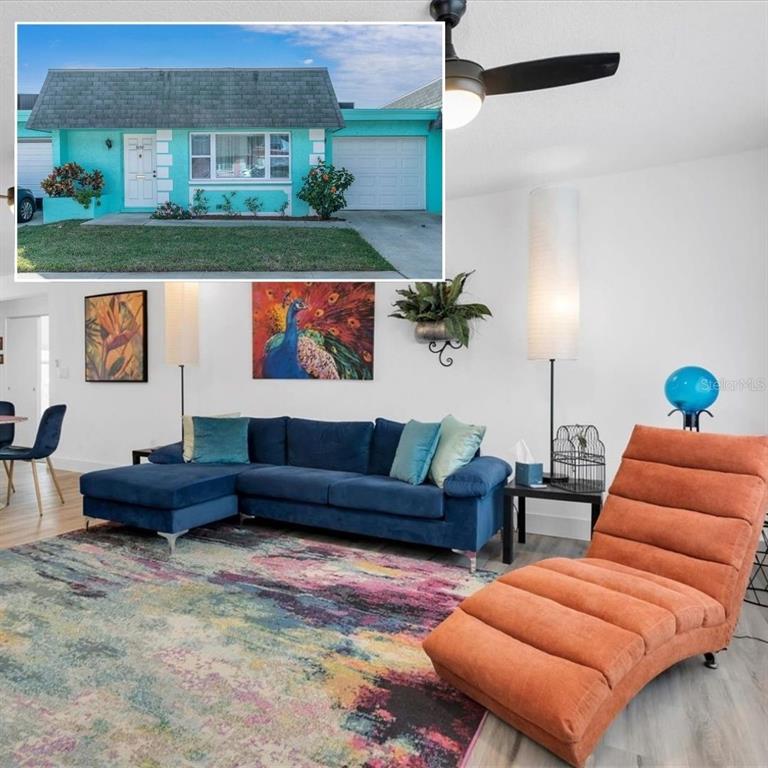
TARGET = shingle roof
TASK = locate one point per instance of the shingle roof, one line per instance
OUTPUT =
(429, 96)
(186, 98)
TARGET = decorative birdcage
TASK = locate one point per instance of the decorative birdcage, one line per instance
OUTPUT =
(578, 459)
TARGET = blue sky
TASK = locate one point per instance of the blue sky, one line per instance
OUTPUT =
(370, 64)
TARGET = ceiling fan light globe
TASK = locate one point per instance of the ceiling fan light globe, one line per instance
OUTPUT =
(464, 92)
(460, 108)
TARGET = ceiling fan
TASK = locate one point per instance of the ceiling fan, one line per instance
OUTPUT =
(467, 83)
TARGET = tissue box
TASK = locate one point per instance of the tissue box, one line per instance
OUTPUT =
(528, 474)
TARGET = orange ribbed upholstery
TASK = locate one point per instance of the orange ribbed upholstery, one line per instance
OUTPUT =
(559, 647)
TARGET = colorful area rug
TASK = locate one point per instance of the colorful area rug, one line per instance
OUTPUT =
(247, 649)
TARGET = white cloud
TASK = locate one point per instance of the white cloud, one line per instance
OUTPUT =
(371, 64)
(309, 61)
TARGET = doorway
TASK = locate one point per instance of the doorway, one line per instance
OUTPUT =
(27, 372)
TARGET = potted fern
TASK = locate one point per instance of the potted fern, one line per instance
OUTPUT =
(435, 309)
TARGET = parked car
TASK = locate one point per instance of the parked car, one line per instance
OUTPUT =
(25, 205)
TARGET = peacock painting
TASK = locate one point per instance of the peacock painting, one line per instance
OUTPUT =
(313, 330)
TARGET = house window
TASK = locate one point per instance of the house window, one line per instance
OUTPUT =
(200, 152)
(242, 156)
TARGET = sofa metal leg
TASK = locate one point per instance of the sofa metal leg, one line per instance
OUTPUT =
(171, 538)
(710, 660)
(243, 516)
(471, 554)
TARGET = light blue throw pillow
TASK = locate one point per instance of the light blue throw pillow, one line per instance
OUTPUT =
(415, 450)
(220, 441)
(457, 446)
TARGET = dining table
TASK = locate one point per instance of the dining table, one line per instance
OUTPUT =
(13, 419)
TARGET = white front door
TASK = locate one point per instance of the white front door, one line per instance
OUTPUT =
(140, 171)
(22, 374)
(390, 173)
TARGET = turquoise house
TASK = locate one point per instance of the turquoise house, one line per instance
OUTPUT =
(158, 135)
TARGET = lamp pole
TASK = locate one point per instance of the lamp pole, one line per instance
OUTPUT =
(181, 369)
(551, 417)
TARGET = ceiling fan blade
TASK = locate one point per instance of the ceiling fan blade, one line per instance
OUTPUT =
(549, 73)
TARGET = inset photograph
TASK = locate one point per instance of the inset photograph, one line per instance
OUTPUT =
(307, 151)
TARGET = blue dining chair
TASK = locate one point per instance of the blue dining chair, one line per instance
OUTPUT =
(7, 432)
(46, 442)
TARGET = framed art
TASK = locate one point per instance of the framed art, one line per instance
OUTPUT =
(313, 330)
(116, 337)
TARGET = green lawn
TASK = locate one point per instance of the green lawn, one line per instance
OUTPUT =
(70, 247)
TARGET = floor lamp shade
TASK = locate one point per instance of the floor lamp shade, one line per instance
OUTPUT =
(553, 274)
(181, 324)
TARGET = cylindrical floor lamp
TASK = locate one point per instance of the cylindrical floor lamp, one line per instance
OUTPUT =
(553, 283)
(181, 327)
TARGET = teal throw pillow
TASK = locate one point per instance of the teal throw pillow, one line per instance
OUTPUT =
(457, 446)
(415, 451)
(220, 441)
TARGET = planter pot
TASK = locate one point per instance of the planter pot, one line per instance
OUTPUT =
(431, 331)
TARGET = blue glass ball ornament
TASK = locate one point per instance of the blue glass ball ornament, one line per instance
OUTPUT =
(691, 389)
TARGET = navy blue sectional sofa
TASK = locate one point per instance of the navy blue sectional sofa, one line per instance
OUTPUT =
(332, 475)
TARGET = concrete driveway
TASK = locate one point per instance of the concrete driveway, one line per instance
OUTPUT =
(411, 241)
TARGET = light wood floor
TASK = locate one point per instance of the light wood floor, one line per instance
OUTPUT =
(688, 717)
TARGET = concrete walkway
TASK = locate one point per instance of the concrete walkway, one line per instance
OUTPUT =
(411, 241)
(39, 277)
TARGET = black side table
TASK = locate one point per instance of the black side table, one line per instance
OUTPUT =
(523, 492)
(140, 453)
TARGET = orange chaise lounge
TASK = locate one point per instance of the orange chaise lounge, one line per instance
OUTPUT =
(558, 648)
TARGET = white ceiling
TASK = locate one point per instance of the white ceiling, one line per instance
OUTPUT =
(692, 83)
(693, 80)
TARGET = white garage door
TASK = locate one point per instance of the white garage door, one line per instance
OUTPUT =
(35, 160)
(390, 174)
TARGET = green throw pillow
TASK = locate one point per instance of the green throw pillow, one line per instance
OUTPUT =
(414, 452)
(457, 446)
(220, 441)
(188, 433)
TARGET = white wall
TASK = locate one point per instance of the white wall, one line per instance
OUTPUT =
(674, 271)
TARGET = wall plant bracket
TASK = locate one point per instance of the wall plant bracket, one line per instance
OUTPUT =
(439, 348)
(439, 318)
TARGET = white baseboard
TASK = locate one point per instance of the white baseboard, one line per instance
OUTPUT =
(78, 465)
(562, 526)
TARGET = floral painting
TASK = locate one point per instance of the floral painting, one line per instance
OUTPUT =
(313, 330)
(116, 337)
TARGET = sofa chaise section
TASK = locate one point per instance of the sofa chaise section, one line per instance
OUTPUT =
(558, 648)
(167, 498)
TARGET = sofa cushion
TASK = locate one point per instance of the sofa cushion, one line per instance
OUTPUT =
(168, 454)
(386, 436)
(415, 450)
(339, 445)
(480, 476)
(166, 486)
(220, 440)
(267, 440)
(457, 446)
(385, 494)
(293, 483)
